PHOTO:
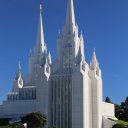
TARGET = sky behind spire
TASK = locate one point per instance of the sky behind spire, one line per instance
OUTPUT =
(104, 25)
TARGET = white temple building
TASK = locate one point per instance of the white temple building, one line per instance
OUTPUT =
(68, 90)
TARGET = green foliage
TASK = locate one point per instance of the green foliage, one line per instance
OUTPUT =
(52, 126)
(35, 119)
(4, 121)
(108, 100)
(126, 99)
(121, 111)
(121, 122)
(5, 126)
(119, 126)
(126, 102)
(19, 125)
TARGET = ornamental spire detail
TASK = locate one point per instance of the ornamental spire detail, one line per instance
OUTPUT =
(70, 17)
(18, 74)
(40, 44)
(94, 63)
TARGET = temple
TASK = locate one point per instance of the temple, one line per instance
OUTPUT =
(68, 89)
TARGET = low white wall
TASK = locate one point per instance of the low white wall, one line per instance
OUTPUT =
(108, 109)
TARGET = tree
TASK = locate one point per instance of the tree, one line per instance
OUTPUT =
(119, 126)
(123, 104)
(126, 101)
(20, 125)
(35, 119)
(52, 126)
(108, 100)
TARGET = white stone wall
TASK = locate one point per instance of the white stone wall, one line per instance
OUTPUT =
(96, 84)
(87, 100)
(77, 99)
(108, 109)
(42, 96)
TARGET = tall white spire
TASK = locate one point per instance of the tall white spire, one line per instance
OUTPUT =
(70, 17)
(40, 46)
(94, 63)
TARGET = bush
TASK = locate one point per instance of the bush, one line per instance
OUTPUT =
(4, 121)
(120, 126)
(19, 125)
(52, 126)
(35, 119)
(108, 100)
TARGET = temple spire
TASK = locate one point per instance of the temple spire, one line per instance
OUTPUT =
(40, 46)
(70, 17)
(94, 63)
(40, 8)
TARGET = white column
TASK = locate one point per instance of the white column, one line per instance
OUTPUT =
(57, 101)
(53, 102)
(67, 97)
(54, 83)
(70, 102)
(63, 102)
(60, 84)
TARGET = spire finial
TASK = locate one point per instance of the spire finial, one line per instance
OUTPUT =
(40, 8)
(94, 49)
(59, 31)
(81, 34)
(19, 65)
(94, 55)
(40, 36)
(18, 72)
(70, 17)
(94, 62)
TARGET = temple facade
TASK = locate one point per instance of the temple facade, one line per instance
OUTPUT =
(67, 90)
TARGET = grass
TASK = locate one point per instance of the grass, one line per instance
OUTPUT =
(121, 122)
(5, 126)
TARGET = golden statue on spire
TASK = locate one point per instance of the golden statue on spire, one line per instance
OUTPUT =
(40, 8)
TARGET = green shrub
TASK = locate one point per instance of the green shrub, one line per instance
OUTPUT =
(4, 121)
(35, 119)
(119, 126)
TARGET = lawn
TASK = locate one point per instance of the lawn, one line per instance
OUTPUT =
(5, 127)
(121, 122)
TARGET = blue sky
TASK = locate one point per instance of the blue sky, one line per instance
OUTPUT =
(104, 24)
